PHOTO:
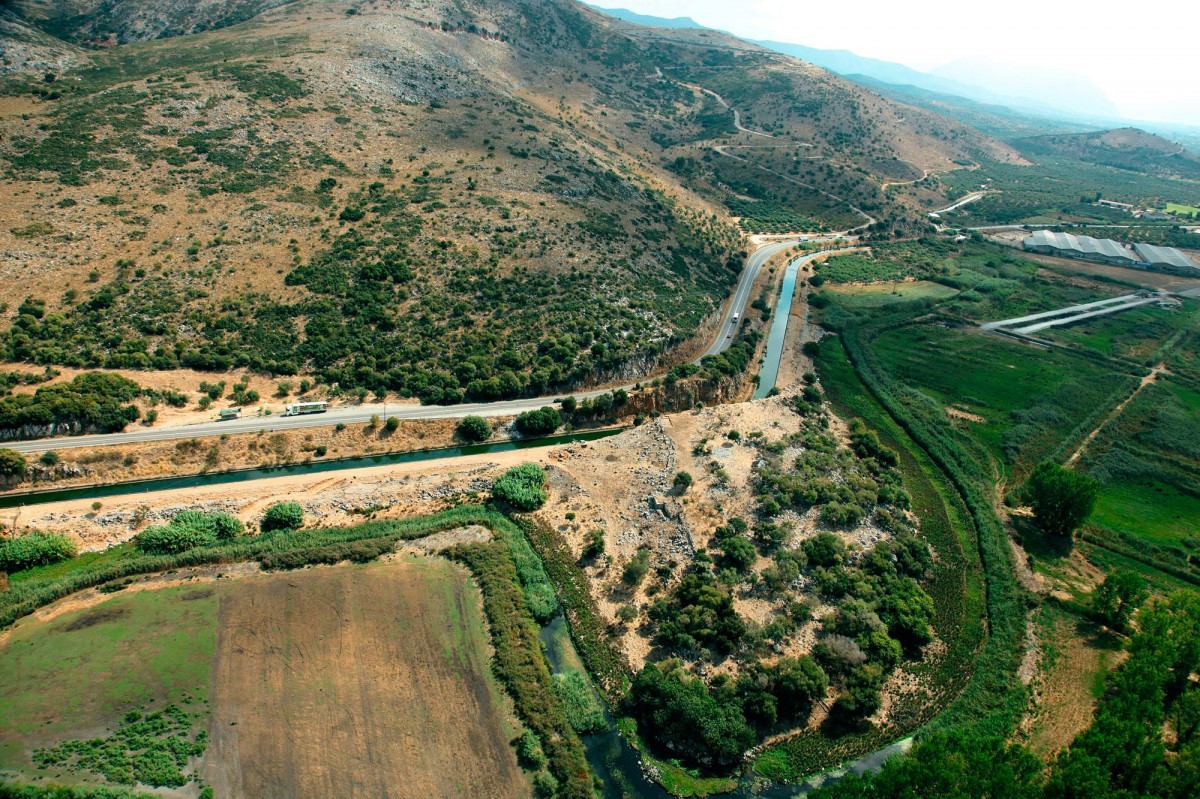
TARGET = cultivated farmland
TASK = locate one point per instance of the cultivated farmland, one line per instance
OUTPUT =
(343, 681)
(357, 681)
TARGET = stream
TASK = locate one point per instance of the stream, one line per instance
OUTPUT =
(619, 766)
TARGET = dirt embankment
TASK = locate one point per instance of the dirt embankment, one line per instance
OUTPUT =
(94, 465)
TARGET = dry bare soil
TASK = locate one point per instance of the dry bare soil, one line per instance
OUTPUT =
(354, 682)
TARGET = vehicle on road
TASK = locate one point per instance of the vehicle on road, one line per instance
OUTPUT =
(229, 413)
(299, 408)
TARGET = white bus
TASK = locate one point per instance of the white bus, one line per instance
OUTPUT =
(298, 408)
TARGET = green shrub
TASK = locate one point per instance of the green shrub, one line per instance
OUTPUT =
(189, 529)
(12, 464)
(474, 429)
(354, 551)
(521, 487)
(34, 549)
(283, 516)
(167, 539)
(541, 422)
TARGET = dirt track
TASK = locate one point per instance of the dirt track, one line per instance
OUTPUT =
(356, 682)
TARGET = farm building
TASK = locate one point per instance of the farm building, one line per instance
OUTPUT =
(1085, 248)
(1116, 205)
(1167, 259)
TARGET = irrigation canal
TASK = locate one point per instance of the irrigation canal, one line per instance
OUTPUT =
(310, 467)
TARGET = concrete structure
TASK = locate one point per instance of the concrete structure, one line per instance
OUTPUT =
(1166, 259)
(1068, 245)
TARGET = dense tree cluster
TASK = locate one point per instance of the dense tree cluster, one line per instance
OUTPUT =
(95, 401)
(1143, 742)
(714, 724)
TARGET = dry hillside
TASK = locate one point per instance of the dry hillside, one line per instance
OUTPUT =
(435, 199)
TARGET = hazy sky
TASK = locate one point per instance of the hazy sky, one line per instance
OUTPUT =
(1145, 57)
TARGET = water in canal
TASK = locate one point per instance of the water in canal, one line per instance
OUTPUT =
(312, 467)
(775, 338)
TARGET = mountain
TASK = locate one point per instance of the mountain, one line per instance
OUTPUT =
(1055, 95)
(1039, 89)
(109, 22)
(995, 120)
(626, 15)
(445, 199)
(25, 49)
(1130, 149)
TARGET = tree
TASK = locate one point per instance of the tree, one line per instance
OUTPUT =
(739, 555)
(283, 516)
(474, 428)
(1061, 499)
(392, 424)
(541, 422)
(1121, 593)
(12, 465)
(682, 482)
(636, 568)
(676, 711)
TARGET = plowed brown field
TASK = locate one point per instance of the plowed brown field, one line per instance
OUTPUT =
(358, 682)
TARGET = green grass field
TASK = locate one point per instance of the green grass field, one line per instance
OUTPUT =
(1176, 208)
(76, 675)
(1030, 398)
(1147, 463)
(1135, 335)
(1149, 509)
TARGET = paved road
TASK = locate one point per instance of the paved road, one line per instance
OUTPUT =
(737, 115)
(361, 414)
(741, 295)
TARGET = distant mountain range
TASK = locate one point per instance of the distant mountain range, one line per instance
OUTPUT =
(1055, 95)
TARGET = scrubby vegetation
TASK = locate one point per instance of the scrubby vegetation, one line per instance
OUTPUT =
(188, 529)
(1144, 740)
(521, 487)
(150, 749)
(521, 667)
(283, 516)
(34, 549)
